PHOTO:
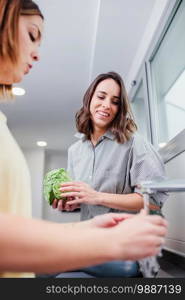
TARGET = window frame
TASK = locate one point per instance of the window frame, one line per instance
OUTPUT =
(142, 79)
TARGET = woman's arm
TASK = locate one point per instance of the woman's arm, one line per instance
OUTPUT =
(83, 193)
(40, 246)
(130, 202)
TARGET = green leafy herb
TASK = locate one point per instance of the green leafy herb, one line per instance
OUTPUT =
(52, 182)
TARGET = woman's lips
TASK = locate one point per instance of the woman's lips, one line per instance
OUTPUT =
(103, 115)
(27, 69)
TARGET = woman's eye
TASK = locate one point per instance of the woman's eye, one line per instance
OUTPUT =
(115, 103)
(32, 38)
(99, 97)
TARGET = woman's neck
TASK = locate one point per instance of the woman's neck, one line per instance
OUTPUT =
(97, 133)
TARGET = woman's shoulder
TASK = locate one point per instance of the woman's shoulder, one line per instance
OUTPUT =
(141, 145)
(75, 146)
(140, 139)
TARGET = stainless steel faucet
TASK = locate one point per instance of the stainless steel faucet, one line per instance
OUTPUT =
(175, 185)
(152, 187)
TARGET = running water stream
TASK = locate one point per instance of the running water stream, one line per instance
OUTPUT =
(150, 266)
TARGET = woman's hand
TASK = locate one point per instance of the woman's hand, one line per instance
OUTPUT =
(109, 220)
(141, 236)
(81, 192)
(63, 205)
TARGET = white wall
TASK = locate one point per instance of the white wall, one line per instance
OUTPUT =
(35, 160)
(174, 208)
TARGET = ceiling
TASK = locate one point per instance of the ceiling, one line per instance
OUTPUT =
(82, 38)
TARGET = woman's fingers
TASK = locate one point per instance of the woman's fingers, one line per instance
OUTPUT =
(60, 204)
(159, 230)
(70, 188)
(55, 203)
(104, 221)
(68, 205)
(77, 201)
(70, 194)
(65, 184)
(120, 216)
(157, 220)
(72, 183)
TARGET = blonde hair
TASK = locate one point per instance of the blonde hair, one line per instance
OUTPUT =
(10, 11)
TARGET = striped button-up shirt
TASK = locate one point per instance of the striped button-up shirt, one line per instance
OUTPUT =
(115, 168)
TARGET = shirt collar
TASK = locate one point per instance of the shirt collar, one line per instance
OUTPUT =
(79, 135)
(108, 134)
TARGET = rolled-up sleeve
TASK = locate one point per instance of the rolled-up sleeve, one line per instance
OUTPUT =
(147, 165)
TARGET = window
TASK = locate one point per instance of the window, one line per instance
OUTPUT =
(168, 79)
(139, 110)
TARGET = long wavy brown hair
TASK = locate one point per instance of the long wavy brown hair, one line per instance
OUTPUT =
(123, 125)
(10, 11)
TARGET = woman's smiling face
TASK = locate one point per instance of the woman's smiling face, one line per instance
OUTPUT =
(104, 104)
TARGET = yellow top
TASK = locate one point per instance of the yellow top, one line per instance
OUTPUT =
(15, 188)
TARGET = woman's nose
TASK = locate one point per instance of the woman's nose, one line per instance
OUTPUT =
(35, 56)
(106, 103)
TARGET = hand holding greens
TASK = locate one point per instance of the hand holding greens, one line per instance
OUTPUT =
(52, 182)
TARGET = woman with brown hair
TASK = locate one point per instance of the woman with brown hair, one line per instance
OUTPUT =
(110, 159)
(38, 246)
(21, 28)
